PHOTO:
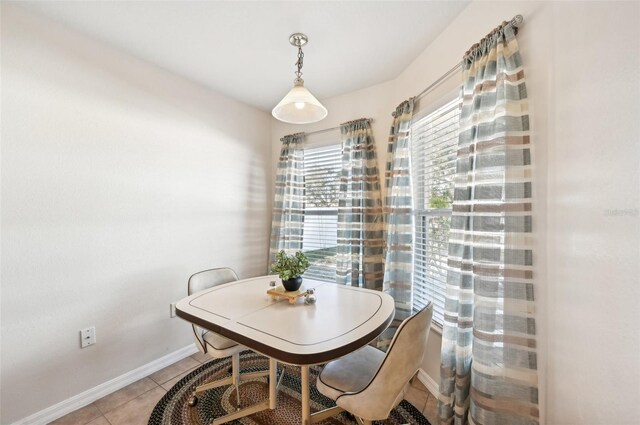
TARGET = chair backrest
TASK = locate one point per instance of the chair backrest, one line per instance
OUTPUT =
(209, 278)
(401, 362)
(204, 280)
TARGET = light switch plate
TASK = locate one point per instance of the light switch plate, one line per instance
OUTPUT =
(87, 336)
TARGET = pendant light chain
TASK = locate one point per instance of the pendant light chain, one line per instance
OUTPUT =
(299, 63)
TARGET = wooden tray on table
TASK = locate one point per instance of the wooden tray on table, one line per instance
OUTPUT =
(291, 296)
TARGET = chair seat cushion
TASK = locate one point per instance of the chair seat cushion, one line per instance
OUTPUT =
(219, 342)
(351, 373)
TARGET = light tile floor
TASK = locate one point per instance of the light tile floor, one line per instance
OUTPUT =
(423, 400)
(132, 405)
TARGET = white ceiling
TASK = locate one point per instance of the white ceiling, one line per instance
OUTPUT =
(242, 49)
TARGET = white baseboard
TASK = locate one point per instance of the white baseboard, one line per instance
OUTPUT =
(428, 382)
(58, 410)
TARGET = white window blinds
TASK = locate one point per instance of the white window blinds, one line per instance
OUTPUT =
(434, 142)
(322, 168)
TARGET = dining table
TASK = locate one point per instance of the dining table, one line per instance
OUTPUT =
(300, 333)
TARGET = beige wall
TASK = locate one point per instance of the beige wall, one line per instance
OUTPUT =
(593, 234)
(119, 180)
(582, 65)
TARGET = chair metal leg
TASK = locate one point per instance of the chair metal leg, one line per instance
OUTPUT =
(266, 404)
(241, 413)
(235, 379)
(326, 413)
(215, 384)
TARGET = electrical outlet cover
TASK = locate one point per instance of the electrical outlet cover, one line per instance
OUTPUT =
(87, 337)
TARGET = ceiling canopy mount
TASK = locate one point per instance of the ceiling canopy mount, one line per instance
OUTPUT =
(298, 39)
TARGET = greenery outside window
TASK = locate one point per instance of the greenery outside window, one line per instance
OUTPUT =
(433, 154)
(322, 168)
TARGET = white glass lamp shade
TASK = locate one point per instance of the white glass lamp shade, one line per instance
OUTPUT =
(299, 106)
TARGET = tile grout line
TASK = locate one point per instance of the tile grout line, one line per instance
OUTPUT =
(434, 412)
(426, 401)
(137, 397)
(174, 376)
(185, 373)
(124, 402)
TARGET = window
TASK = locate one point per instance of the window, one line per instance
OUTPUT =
(322, 168)
(433, 151)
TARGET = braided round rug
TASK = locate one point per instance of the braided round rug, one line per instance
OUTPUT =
(174, 409)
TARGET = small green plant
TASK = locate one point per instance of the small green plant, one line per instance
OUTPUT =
(438, 202)
(290, 266)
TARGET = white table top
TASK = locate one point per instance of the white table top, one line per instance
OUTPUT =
(343, 319)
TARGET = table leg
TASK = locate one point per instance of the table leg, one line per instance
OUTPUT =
(273, 369)
(304, 382)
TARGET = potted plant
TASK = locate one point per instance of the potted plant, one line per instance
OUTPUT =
(290, 269)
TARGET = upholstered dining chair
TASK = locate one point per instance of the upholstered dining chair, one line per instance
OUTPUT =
(216, 345)
(369, 383)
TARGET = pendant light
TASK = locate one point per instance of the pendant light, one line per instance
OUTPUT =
(299, 106)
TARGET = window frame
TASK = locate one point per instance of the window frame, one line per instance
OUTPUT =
(450, 96)
(328, 144)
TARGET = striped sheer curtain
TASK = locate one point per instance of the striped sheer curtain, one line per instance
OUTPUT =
(360, 228)
(398, 267)
(288, 204)
(489, 359)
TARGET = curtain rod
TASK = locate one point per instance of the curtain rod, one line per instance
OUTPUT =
(324, 130)
(515, 23)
